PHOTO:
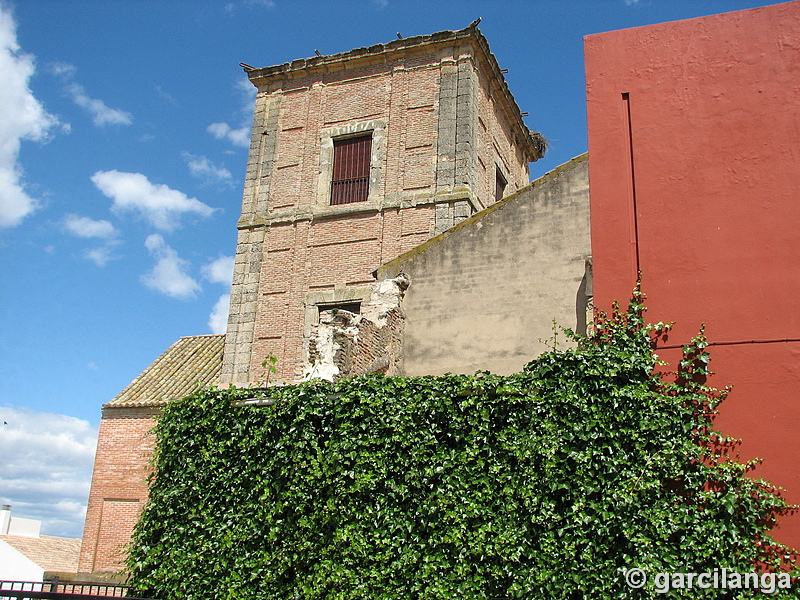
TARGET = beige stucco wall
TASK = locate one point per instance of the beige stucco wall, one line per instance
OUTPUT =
(484, 294)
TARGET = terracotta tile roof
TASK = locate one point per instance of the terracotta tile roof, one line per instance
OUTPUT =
(190, 363)
(49, 552)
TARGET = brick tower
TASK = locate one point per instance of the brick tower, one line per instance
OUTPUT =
(354, 159)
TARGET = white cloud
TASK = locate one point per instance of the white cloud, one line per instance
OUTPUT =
(63, 69)
(100, 255)
(247, 92)
(23, 118)
(160, 205)
(166, 96)
(231, 6)
(101, 114)
(89, 228)
(218, 320)
(169, 275)
(46, 467)
(202, 168)
(15, 204)
(220, 270)
(237, 137)
(629, 2)
(86, 227)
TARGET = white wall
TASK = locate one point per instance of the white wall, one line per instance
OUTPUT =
(24, 527)
(15, 566)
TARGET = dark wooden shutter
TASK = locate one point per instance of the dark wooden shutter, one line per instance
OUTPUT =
(350, 181)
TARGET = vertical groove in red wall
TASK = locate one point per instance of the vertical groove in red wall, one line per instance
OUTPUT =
(626, 103)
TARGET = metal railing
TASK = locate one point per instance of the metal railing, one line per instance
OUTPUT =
(61, 590)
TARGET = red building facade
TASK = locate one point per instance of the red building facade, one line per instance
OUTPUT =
(694, 139)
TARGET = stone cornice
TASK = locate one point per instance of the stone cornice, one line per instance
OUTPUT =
(532, 143)
(377, 53)
(317, 212)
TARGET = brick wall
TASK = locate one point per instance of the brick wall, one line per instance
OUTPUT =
(119, 487)
(359, 345)
(440, 121)
(498, 145)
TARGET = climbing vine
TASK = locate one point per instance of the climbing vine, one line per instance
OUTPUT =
(551, 483)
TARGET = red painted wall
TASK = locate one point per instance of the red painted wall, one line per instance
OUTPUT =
(694, 139)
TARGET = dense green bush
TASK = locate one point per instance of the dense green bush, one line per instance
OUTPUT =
(545, 484)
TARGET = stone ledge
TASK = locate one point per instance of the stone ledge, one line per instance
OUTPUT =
(316, 212)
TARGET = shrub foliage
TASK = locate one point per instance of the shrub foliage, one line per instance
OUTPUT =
(544, 484)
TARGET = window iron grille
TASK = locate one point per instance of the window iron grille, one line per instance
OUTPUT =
(351, 162)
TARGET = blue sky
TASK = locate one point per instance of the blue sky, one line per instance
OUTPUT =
(124, 128)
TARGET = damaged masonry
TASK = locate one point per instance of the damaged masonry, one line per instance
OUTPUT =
(346, 344)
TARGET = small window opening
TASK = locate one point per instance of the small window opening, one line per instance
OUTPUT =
(500, 186)
(351, 161)
(353, 307)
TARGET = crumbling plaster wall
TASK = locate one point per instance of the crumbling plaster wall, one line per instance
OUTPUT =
(484, 294)
(343, 344)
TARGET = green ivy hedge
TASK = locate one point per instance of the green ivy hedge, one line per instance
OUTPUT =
(545, 484)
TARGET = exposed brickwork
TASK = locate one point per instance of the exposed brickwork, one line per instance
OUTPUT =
(361, 346)
(124, 446)
(345, 344)
(119, 487)
(442, 123)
